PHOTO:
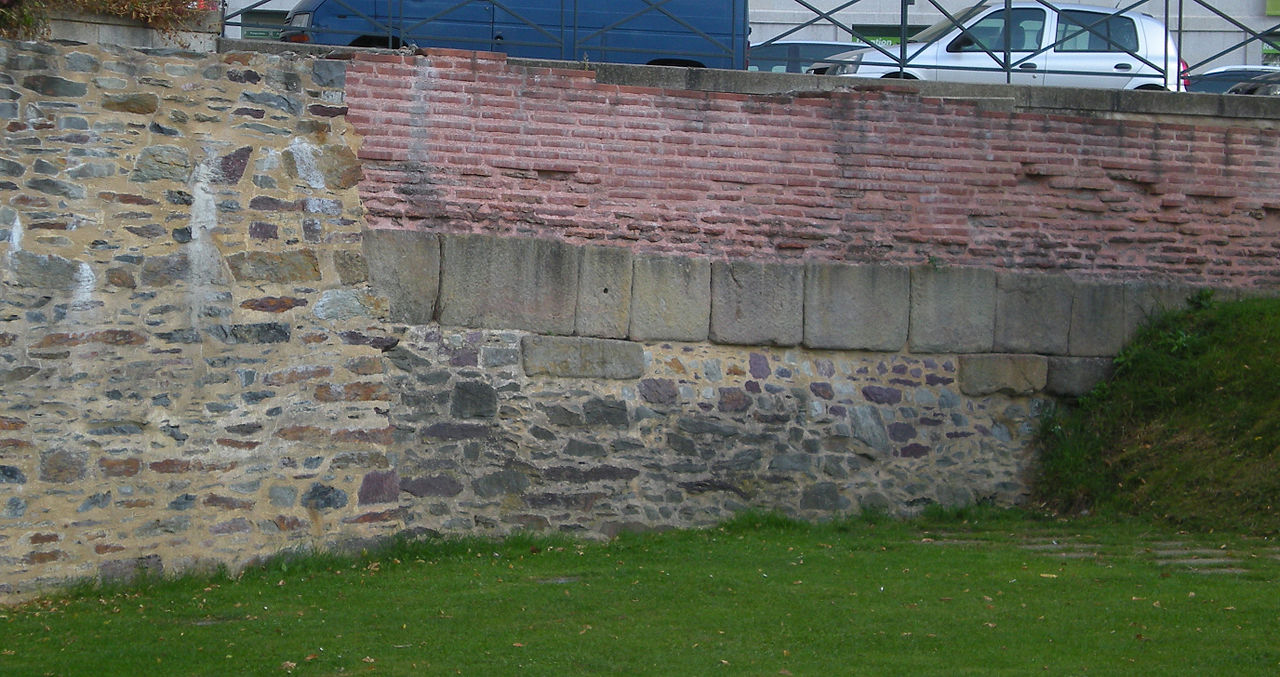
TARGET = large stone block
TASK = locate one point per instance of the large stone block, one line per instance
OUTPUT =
(604, 292)
(1008, 374)
(856, 307)
(404, 266)
(1145, 301)
(509, 283)
(1098, 327)
(670, 299)
(757, 303)
(573, 357)
(952, 310)
(1076, 376)
(1033, 313)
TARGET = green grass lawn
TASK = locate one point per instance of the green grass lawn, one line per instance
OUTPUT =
(983, 593)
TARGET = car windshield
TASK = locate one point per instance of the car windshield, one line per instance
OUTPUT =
(945, 26)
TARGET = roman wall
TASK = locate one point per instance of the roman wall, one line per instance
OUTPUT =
(255, 302)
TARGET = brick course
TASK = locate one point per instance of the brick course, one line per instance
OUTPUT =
(873, 174)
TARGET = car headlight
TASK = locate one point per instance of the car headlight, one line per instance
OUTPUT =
(301, 20)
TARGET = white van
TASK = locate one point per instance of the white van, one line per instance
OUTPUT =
(1029, 43)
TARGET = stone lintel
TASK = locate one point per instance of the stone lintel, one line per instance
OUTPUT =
(577, 357)
(1003, 373)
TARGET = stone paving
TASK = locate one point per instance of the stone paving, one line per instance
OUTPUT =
(1173, 555)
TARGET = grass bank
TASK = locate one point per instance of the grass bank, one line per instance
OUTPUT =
(1188, 430)
(979, 592)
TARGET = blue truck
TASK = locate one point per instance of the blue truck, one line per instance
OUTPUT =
(693, 33)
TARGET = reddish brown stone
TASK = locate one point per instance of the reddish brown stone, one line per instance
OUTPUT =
(62, 465)
(48, 225)
(14, 444)
(273, 304)
(319, 110)
(171, 465)
(284, 523)
(315, 338)
(371, 436)
(304, 433)
(29, 201)
(281, 378)
(238, 444)
(352, 392)
(112, 337)
(7, 423)
(126, 198)
(381, 516)
(38, 539)
(120, 277)
(137, 503)
(43, 557)
(125, 467)
(380, 487)
(7, 339)
(107, 548)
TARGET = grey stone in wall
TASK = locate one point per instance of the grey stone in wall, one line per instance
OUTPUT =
(570, 357)
(44, 271)
(757, 303)
(670, 299)
(1008, 374)
(604, 292)
(404, 266)
(1098, 326)
(505, 283)
(1031, 313)
(1076, 376)
(1145, 301)
(856, 307)
(952, 310)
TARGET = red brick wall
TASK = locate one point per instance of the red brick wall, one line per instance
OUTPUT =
(460, 142)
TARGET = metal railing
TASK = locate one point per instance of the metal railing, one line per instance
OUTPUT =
(1174, 19)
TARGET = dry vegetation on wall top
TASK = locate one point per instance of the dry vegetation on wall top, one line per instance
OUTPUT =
(28, 19)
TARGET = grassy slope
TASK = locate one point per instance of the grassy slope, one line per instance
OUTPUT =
(1188, 430)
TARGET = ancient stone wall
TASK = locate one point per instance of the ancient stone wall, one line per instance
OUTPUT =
(186, 366)
(208, 356)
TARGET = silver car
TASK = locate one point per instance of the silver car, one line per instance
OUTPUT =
(1029, 43)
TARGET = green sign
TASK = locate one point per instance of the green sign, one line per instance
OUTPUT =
(260, 33)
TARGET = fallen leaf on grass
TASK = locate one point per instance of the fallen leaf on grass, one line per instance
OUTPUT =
(369, 660)
(288, 665)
